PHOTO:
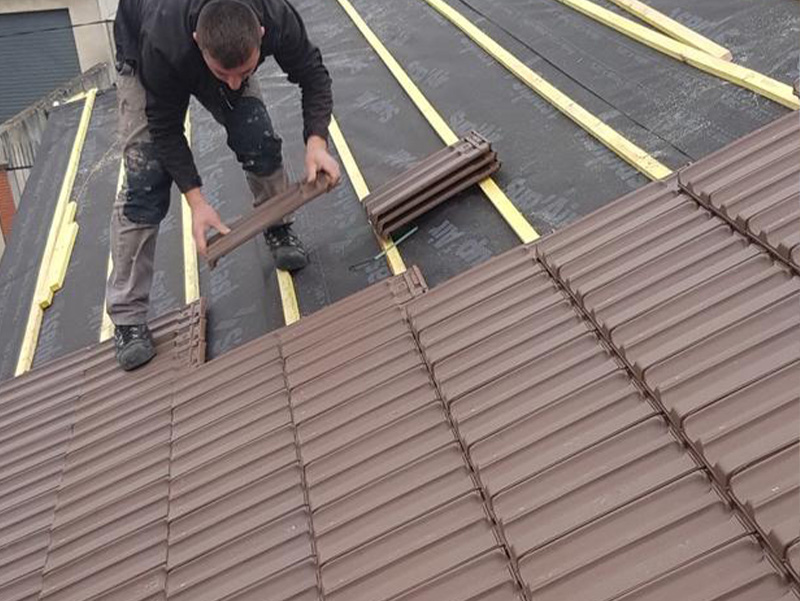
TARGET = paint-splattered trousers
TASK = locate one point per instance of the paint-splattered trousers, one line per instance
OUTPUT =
(144, 198)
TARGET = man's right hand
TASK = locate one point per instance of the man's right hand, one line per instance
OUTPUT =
(204, 217)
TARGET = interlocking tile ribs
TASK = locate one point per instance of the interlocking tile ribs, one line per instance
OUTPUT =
(770, 491)
(681, 522)
(708, 323)
(609, 414)
(431, 182)
(755, 184)
(83, 479)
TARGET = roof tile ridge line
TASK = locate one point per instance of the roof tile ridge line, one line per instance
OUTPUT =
(513, 560)
(750, 236)
(303, 478)
(62, 472)
(753, 462)
(677, 431)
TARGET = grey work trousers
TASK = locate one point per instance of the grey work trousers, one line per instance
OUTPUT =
(143, 200)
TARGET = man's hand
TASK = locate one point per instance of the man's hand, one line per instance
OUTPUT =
(203, 217)
(319, 160)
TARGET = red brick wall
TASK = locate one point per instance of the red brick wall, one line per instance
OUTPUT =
(7, 207)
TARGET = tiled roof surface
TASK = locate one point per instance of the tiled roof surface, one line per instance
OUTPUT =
(609, 414)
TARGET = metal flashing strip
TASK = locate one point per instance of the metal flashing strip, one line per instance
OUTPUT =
(742, 76)
(266, 214)
(512, 216)
(430, 182)
(58, 249)
(613, 140)
(673, 29)
(393, 258)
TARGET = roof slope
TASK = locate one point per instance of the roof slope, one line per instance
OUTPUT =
(673, 111)
(608, 414)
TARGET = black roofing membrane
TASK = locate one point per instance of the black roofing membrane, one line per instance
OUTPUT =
(19, 267)
(242, 291)
(387, 134)
(334, 227)
(73, 320)
(552, 170)
(695, 112)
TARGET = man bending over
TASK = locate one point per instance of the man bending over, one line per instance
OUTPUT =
(168, 50)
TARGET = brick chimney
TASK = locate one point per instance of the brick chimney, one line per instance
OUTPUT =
(7, 207)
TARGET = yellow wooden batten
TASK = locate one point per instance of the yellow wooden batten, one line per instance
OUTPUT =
(516, 220)
(393, 258)
(191, 277)
(291, 309)
(741, 76)
(106, 327)
(609, 137)
(58, 248)
(673, 29)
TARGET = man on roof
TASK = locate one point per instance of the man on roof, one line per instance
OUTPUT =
(168, 50)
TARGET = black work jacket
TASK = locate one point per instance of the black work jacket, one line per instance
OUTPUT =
(155, 38)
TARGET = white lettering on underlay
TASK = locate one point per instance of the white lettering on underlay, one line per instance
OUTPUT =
(448, 238)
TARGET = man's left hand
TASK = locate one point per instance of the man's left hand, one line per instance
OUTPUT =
(319, 160)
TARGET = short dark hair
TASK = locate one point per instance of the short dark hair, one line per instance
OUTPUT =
(229, 31)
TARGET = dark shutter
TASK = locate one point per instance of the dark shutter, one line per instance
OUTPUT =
(33, 64)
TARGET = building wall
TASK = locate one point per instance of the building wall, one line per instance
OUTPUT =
(94, 42)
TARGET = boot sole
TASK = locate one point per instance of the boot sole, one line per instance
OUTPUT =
(136, 356)
(292, 264)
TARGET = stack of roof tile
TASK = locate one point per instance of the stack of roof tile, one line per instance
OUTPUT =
(429, 183)
(610, 414)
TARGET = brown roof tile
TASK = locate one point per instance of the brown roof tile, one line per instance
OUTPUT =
(758, 345)
(738, 570)
(635, 293)
(265, 215)
(704, 310)
(506, 350)
(735, 163)
(389, 502)
(361, 415)
(486, 578)
(755, 183)
(430, 182)
(473, 286)
(793, 558)
(750, 424)
(232, 567)
(416, 552)
(329, 482)
(560, 424)
(552, 420)
(589, 484)
(498, 312)
(619, 257)
(770, 491)
(506, 398)
(616, 219)
(651, 536)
